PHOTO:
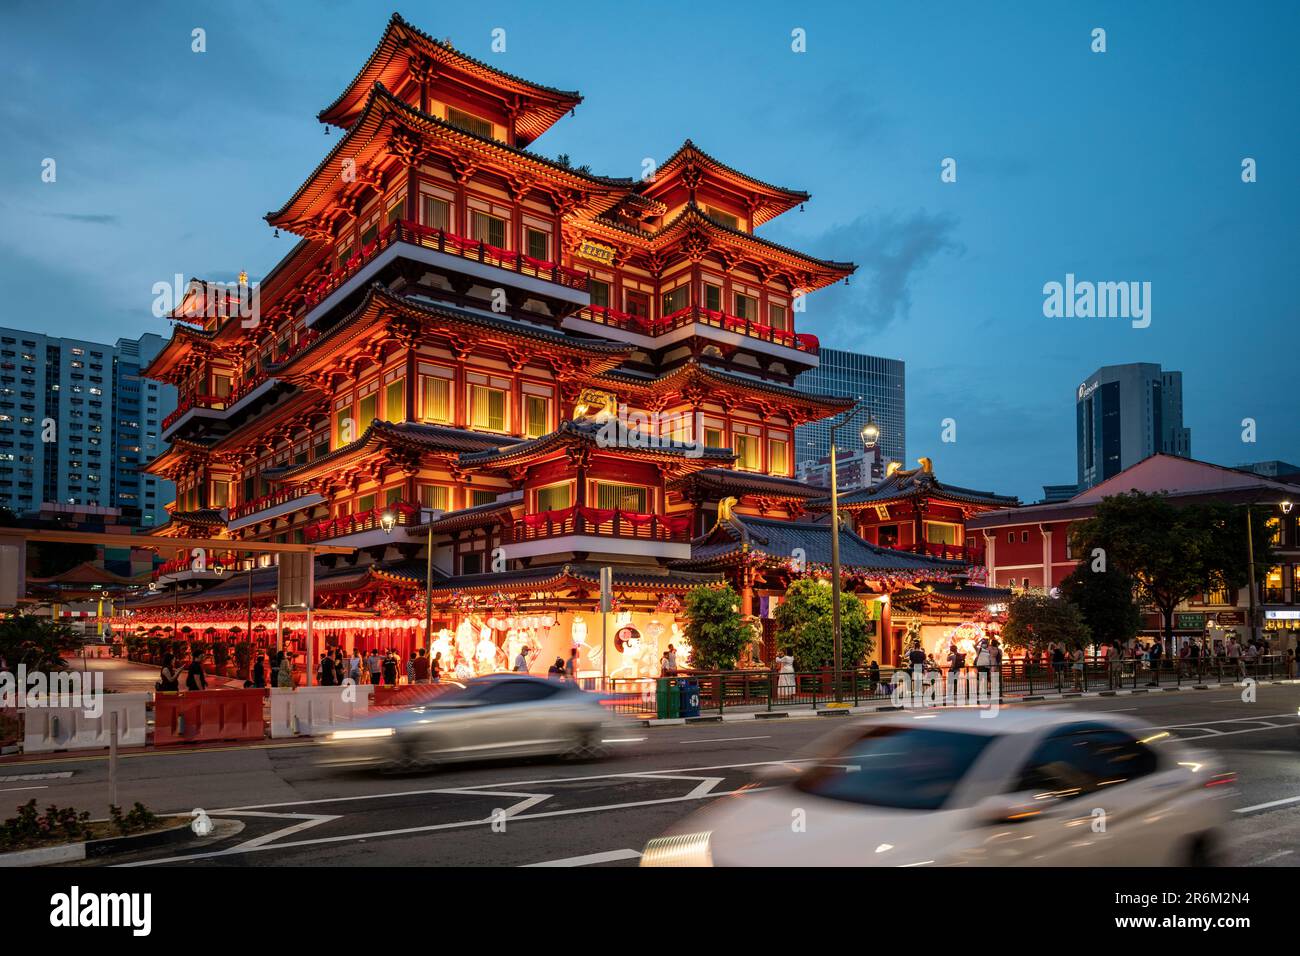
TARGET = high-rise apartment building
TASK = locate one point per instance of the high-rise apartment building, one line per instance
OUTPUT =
(879, 382)
(77, 423)
(1125, 413)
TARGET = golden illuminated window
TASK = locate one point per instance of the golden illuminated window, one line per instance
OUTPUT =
(1275, 532)
(434, 496)
(220, 494)
(778, 459)
(478, 497)
(367, 412)
(538, 244)
(396, 211)
(469, 122)
(726, 218)
(748, 453)
(538, 410)
(345, 427)
(937, 533)
(713, 438)
(554, 497)
(487, 408)
(435, 399)
(624, 497)
(395, 401)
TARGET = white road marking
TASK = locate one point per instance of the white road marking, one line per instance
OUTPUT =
(16, 789)
(15, 778)
(609, 856)
(623, 740)
(1274, 856)
(718, 740)
(1265, 806)
(309, 820)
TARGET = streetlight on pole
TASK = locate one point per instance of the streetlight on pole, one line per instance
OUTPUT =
(388, 521)
(870, 435)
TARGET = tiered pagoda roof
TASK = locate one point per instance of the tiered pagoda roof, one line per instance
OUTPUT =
(917, 484)
(690, 168)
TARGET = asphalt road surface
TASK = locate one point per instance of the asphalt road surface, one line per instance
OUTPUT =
(288, 811)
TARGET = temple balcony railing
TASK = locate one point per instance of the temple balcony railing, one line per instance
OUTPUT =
(948, 552)
(695, 320)
(440, 248)
(277, 504)
(194, 406)
(405, 514)
(598, 530)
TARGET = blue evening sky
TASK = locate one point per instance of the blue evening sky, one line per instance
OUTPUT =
(1120, 166)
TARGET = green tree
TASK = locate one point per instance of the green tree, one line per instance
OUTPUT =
(1105, 599)
(37, 642)
(714, 626)
(1036, 620)
(1171, 553)
(804, 625)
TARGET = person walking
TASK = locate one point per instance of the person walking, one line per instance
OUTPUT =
(1058, 665)
(1157, 654)
(672, 661)
(410, 668)
(195, 679)
(375, 664)
(1079, 663)
(354, 666)
(390, 669)
(435, 668)
(325, 671)
(284, 670)
(873, 675)
(420, 669)
(1115, 666)
(258, 676)
(571, 665)
(521, 661)
(956, 669)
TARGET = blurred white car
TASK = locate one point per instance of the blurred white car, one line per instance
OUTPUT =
(1024, 788)
(501, 715)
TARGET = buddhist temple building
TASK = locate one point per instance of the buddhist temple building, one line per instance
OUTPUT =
(492, 373)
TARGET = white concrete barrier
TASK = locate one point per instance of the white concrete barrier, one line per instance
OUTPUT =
(304, 711)
(69, 728)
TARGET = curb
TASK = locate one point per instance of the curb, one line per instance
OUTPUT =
(93, 849)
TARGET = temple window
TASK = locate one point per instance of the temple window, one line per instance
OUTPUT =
(623, 497)
(748, 452)
(469, 122)
(939, 533)
(344, 255)
(344, 426)
(778, 462)
(726, 218)
(436, 497)
(367, 412)
(676, 299)
(220, 494)
(713, 438)
(487, 408)
(538, 244)
(481, 497)
(437, 213)
(435, 399)
(746, 307)
(471, 563)
(538, 412)
(489, 229)
(396, 211)
(776, 316)
(712, 297)
(221, 385)
(395, 401)
(554, 497)
(370, 235)
(393, 495)
(599, 293)
(637, 303)
(365, 503)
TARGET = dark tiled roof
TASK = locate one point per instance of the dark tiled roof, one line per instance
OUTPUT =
(779, 540)
(918, 484)
(549, 576)
(204, 516)
(797, 194)
(954, 594)
(725, 480)
(415, 435)
(694, 368)
(589, 432)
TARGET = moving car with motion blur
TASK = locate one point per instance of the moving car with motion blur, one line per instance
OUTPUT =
(1023, 788)
(497, 716)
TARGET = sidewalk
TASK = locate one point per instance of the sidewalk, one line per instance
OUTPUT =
(825, 709)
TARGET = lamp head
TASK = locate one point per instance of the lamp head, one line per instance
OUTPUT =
(1287, 506)
(388, 521)
(870, 433)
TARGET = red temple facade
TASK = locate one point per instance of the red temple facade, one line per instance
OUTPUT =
(497, 365)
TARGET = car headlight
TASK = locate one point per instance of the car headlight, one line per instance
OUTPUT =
(686, 849)
(361, 734)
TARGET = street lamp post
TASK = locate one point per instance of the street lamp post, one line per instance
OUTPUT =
(387, 521)
(1250, 547)
(870, 434)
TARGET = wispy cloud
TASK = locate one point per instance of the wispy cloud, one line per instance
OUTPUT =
(95, 218)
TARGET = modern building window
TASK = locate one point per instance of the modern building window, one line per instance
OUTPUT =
(435, 399)
(489, 229)
(487, 408)
(623, 497)
(538, 410)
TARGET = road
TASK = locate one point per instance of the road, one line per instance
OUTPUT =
(295, 813)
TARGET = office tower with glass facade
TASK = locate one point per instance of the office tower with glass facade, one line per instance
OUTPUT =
(879, 382)
(1125, 413)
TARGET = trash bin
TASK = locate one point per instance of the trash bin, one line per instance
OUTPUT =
(667, 698)
(690, 697)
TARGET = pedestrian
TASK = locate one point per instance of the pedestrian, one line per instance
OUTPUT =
(571, 665)
(284, 670)
(325, 672)
(873, 675)
(521, 661)
(169, 680)
(354, 666)
(195, 679)
(375, 664)
(916, 656)
(983, 664)
(410, 668)
(1115, 665)
(259, 671)
(1079, 664)
(1058, 664)
(420, 669)
(785, 684)
(1157, 654)
(390, 669)
(956, 668)
(672, 660)
(556, 670)
(435, 668)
